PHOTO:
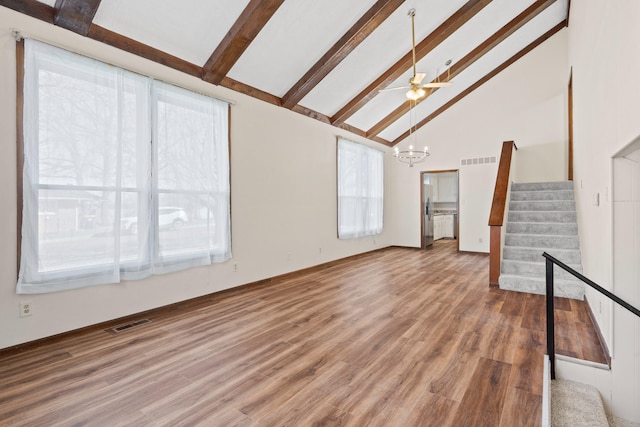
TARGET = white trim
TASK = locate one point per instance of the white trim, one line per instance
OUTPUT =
(581, 362)
(546, 393)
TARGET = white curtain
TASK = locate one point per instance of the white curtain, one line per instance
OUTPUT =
(360, 190)
(123, 177)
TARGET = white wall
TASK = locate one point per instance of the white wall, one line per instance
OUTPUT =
(283, 201)
(525, 103)
(603, 38)
(626, 279)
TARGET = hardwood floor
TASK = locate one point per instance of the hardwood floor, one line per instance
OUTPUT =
(399, 337)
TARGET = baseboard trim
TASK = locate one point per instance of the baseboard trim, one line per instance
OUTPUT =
(181, 305)
(603, 343)
(582, 362)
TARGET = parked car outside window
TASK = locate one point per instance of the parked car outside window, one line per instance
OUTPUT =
(171, 218)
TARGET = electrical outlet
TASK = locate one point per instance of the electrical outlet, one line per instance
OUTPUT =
(235, 267)
(374, 241)
(479, 239)
(26, 309)
(319, 251)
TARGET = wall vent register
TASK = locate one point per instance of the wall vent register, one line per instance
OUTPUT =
(478, 161)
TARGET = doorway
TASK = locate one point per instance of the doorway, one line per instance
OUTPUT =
(439, 207)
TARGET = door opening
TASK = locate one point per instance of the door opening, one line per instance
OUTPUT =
(439, 213)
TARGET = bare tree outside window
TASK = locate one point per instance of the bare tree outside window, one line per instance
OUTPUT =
(124, 176)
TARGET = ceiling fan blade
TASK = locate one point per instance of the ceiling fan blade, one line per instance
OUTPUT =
(388, 89)
(437, 84)
(417, 79)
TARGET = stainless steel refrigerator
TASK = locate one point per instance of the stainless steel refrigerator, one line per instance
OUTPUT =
(427, 210)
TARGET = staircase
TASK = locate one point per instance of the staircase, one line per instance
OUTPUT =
(542, 217)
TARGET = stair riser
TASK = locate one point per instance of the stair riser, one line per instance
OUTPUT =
(532, 286)
(541, 195)
(544, 205)
(542, 228)
(534, 241)
(516, 216)
(542, 186)
(535, 255)
(538, 270)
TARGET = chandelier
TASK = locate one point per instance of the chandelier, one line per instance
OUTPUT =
(413, 155)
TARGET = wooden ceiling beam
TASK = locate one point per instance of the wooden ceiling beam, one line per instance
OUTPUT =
(483, 80)
(251, 91)
(371, 20)
(76, 15)
(446, 29)
(33, 8)
(250, 22)
(325, 119)
(502, 34)
(121, 42)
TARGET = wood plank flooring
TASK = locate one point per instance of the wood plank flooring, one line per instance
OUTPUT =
(398, 337)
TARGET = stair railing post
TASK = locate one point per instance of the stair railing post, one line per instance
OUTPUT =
(551, 352)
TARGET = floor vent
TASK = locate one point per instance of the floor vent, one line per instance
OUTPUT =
(121, 328)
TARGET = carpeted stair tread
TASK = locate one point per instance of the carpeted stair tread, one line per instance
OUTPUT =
(553, 228)
(542, 205)
(543, 216)
(542, 241)
(537, 285)
(542, 195)
(576, 405)
(535, 269)
(542, 186)
(567, 256)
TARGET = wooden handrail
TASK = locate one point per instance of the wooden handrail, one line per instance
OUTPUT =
(496, 217)
(570, 116)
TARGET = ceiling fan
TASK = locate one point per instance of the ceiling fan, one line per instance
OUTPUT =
(415, 86)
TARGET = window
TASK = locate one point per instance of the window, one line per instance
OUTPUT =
(360, 190)
(123, 176)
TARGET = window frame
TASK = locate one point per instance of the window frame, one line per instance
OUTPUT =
(367, 198)
(152, 252)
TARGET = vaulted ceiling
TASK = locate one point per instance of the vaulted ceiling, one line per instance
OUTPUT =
(325, 59)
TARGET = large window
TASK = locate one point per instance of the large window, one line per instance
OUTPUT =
(123, 176)
(360, 190)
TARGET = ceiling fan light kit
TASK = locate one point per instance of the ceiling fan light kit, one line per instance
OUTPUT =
(415, 94)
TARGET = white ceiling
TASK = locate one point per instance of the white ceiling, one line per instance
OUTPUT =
(302, 31)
